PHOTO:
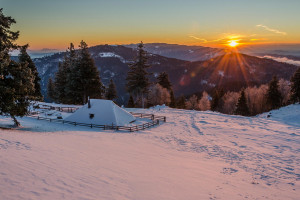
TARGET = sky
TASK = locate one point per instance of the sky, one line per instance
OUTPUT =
(54, 24)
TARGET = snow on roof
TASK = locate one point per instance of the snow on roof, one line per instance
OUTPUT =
(102, 112)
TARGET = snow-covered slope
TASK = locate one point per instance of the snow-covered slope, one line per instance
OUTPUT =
(195, 155)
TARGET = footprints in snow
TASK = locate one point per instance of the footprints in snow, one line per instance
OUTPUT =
(5, 144)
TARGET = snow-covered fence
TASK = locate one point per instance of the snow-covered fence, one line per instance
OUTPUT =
(149, 116)
(69, 109)
(155, 120)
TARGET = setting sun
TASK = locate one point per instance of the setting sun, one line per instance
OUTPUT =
(233, 43)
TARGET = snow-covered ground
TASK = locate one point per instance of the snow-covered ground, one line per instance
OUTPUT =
(195, 155)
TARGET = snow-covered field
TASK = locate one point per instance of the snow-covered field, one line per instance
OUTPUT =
(195, 155)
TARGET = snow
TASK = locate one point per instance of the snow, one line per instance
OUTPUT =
(105, 112)
(195, 155)
(221, 73)
(111, 54)
(204, 82)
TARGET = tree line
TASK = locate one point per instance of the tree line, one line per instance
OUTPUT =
(250, 101)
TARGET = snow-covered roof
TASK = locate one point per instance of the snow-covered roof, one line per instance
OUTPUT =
(101, 112)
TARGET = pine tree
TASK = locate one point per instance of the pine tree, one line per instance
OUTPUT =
(111, 92)
(16, 79)
(88, 78)
(137, 78)
(273, 96)
(181, 104)
(72, 76)
(295, 87)
(50, 90)
(216, 103)
(172, 98)
(63, 83)
(130, 103)
(241, 106)
(25, 59)
(60, 83)
(163, 80)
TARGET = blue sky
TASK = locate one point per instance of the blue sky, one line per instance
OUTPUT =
(55, 23)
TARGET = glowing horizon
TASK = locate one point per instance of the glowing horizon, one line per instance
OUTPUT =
(54, 24)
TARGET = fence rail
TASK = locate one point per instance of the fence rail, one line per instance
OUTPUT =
(149, 116)
(155, 120)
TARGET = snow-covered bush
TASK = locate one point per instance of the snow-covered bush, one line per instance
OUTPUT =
(204, 103)
(285, 90)
(230, 100)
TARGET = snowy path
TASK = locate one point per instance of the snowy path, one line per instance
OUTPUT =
(195, 155)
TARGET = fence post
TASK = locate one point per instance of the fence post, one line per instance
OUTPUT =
(50, 119)
(152, 117)
(91, 125)
(38, 117)
(157, 122)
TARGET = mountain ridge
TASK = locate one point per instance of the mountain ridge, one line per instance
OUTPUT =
(224, 71)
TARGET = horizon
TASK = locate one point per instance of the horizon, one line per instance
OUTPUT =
(193, 23)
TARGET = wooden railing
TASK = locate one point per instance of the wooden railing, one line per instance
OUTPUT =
(149, 116)
(155, 120)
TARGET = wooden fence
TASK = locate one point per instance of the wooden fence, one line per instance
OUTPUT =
(155, 120)
(69, 109)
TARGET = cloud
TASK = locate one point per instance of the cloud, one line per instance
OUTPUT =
(283, 60)
(271, 30)
(196, 38)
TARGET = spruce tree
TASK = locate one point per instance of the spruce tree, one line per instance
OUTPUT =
(60, 83)
(130, 103)
(50, 90)
(63, 84)
(241, 106)
(216, 102)
(16, 79)
(72, 76)
(295, 87)
(273, 96)
(163, 80)
(25, 58)
(111, 92)
(181, 104)
(173, 101)
(137, 78)
(87, 78)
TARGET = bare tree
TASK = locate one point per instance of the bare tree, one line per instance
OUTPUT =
(158, 95)
(192, 103)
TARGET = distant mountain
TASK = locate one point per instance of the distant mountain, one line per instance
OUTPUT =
(279, 49)
(231, 71)
(42, 52)
(112, 62)
(182, 52)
